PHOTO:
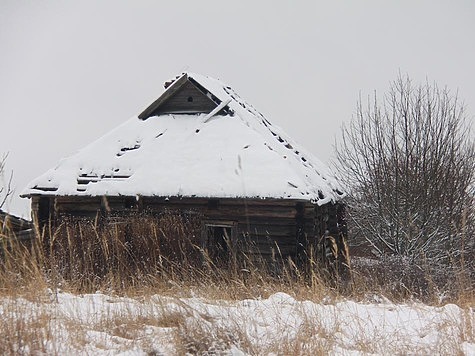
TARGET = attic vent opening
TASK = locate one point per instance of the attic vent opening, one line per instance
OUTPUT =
(190, 99)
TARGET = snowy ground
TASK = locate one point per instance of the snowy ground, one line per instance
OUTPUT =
(101, 324)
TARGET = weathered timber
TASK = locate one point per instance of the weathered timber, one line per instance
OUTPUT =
(269, 226)
(187, 99)
(163, 98)
(183, 97)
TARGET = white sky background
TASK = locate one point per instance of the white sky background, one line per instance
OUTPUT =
(72, 71)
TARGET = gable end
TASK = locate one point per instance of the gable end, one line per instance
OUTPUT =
(188, 99)
(183, 96)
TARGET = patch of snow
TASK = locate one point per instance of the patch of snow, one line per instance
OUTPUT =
(346, 327)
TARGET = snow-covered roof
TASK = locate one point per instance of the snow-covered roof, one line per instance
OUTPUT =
(231, 151)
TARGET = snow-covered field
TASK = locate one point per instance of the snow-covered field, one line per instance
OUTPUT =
(98, 324)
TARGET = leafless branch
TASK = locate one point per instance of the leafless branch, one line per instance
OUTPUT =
(5, 185)
(409, 164)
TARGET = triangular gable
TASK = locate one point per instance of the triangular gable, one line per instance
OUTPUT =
(182, 96)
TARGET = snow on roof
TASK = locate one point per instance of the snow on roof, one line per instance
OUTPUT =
(228, 153)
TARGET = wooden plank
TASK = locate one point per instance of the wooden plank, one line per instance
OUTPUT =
(253, 213)
(187, 99)
(223, 201)
(72, 208)
(258, 202)
(271, 230)
(169, 92)
(259, 220)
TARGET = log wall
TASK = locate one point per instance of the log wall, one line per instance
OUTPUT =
(270, 226)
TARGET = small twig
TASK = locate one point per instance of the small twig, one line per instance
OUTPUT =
(5, 191)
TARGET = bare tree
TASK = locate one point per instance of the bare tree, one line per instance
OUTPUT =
(409, 167)
(5, 184)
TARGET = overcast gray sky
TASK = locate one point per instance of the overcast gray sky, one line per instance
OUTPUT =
(71, 71)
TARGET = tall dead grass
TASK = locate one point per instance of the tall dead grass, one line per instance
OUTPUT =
(146, 254)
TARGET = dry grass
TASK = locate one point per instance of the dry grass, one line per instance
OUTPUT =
(145, 256)
(23, 334)
(164, 258)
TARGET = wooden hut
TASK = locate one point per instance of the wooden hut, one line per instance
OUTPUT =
(200, 148)
(12, 226)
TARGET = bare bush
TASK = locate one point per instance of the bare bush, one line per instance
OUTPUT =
(408, 163)
(5, 183)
